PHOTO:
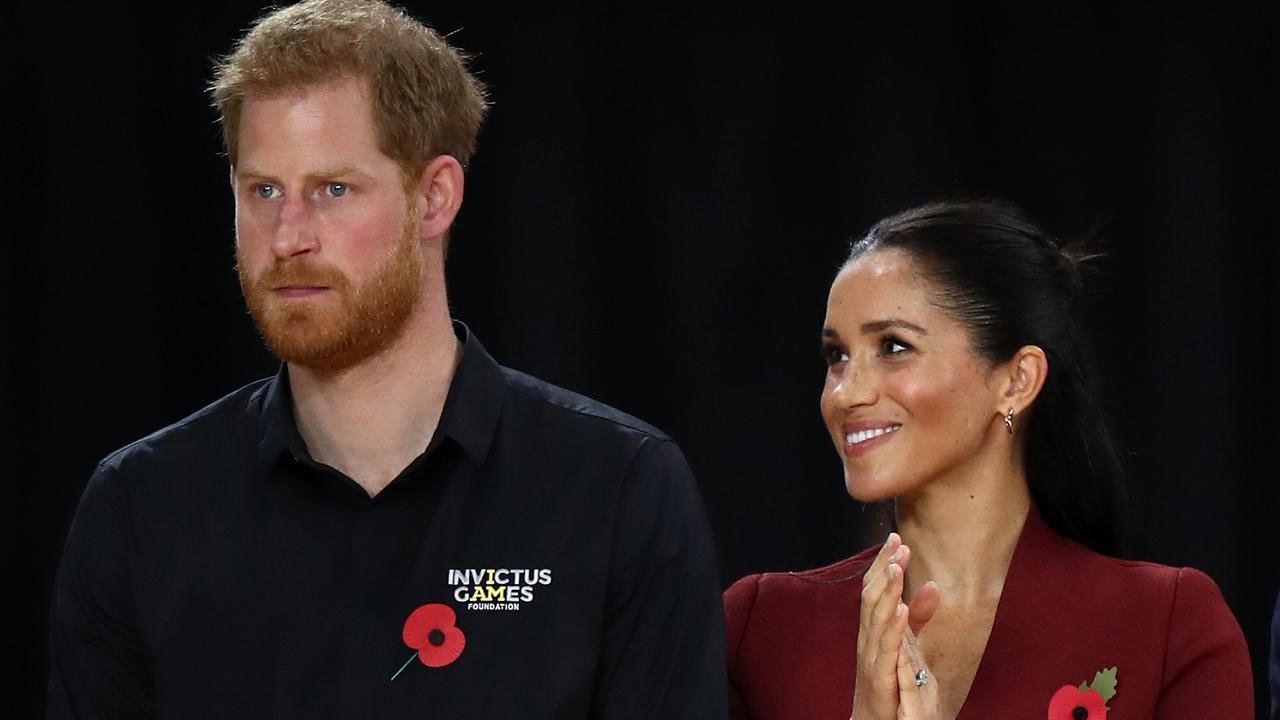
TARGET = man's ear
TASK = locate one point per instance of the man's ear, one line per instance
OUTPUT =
(1018, 381)
(438, 194)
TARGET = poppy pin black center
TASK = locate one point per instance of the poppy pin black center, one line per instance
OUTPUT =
(1080, 713)
(436, 637)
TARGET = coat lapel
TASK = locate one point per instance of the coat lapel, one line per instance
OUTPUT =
(1017, 670)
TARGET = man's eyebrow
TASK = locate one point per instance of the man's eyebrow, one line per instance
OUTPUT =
(340, 171)
(244, 171)
(887, 323)
(337, 172)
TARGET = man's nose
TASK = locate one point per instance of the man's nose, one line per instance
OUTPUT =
(296, 232)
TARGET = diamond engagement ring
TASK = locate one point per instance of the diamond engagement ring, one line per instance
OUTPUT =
(922, 677)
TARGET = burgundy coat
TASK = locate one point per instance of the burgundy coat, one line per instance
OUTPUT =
(1065, 613)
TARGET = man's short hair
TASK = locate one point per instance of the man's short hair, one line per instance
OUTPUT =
(425, 102)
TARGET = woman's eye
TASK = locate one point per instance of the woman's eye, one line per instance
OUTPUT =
(337, 189)
(834, 355)
(890, 346)
(264, 191)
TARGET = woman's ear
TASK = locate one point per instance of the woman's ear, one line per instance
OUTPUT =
(1018, 381)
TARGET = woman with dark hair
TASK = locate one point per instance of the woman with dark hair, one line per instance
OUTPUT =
(957, 386)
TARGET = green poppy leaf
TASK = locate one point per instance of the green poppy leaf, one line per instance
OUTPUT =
(1104, 681)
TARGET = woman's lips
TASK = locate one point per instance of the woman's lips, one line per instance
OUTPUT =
(862, 438)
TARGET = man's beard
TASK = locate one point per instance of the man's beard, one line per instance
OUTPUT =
(318, 336)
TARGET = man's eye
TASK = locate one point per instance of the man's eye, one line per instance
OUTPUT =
(337, 189)
(264, 191)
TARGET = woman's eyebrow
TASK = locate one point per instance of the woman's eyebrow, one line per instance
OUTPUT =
(879, 325)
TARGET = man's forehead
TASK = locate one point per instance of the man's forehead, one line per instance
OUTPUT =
(330, 83)
(325, 125)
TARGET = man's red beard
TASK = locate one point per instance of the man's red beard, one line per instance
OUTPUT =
(316, 334)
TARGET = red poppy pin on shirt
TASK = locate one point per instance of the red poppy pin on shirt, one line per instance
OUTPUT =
(1086, 702)
(432, 630)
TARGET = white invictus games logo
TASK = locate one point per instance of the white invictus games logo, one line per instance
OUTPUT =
(497, 588)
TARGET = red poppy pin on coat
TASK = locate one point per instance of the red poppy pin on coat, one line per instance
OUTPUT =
(432, 630)
(1086, 702)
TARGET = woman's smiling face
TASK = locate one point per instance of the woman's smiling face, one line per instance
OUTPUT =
(906, 401)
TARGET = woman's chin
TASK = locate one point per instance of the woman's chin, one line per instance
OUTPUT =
(867, 491)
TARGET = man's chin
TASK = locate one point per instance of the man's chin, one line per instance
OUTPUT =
(316, 358)
(305, 343)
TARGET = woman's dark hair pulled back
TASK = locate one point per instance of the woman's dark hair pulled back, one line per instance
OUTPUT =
(1012, 285)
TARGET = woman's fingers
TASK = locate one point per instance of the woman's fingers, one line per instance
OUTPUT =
(891, 639)
(876, 584)
(883, 679)
(917, 688)
(890, 596)
(873, 578)
(924, 605)
(882, 620)
(908, 692)
(876, 692)
(882, 608)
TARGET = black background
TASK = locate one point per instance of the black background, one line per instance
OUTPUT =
(660, 200)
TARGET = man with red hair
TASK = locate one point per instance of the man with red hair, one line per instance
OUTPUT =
(394, 525)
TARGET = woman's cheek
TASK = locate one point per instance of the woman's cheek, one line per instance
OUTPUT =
(914, 391)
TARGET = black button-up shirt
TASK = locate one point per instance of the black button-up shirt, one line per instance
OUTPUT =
(552, 552)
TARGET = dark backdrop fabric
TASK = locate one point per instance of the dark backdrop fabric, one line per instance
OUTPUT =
(660, 199)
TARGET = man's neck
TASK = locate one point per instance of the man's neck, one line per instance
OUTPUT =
(371, 420)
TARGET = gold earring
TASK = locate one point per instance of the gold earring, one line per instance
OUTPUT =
(1008, 420)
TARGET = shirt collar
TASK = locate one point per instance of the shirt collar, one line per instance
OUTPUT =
(471, 409)
(469, 417)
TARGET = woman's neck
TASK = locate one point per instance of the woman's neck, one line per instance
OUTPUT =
(962, 531)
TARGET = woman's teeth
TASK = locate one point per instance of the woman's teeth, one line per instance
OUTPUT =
(854, 438)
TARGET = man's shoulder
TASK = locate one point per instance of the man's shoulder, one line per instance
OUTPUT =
(208, 429)
(548, 403)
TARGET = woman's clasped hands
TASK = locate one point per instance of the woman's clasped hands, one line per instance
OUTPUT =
(893, 681)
